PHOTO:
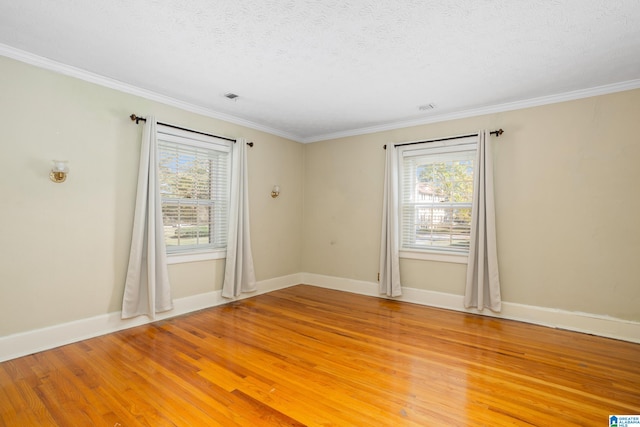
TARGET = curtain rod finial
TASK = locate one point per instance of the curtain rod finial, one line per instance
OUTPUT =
(137, 119)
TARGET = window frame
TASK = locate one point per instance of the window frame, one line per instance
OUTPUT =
(440, 147)
(181, 137)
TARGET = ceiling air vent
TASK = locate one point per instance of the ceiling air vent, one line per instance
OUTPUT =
(427, 107)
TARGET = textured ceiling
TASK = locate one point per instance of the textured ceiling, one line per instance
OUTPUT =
(310, 69)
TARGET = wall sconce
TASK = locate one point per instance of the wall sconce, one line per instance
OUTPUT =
(275, 192)
(59, 171)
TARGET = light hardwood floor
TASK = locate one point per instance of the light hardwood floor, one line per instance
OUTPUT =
(316, 357)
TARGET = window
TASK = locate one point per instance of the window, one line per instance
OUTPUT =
(436, 191)
(194, 187)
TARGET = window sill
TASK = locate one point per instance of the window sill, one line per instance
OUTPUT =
(179, 258)
(435, 256)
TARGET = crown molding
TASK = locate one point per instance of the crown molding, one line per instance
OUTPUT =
(491, 109)
(98, 79)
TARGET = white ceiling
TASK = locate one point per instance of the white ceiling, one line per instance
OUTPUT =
(313, 69)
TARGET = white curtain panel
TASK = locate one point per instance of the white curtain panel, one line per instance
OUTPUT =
(483, 281)
(239, 274)
(147, 289)
(389, 238)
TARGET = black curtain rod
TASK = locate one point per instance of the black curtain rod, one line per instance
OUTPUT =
(497, 133)
(137, 119)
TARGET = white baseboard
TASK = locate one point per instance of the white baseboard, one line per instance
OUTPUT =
(22, 344)
(594, 324)
(30, 342)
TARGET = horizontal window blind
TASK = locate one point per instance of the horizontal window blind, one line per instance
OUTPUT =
(194, 187)
(436, 197)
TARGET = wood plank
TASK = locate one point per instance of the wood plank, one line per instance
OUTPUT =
(317, 357)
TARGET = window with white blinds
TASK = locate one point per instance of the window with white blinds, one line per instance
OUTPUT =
(194, 187)
(436, 185)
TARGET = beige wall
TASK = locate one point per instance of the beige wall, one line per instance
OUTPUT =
(65, 246)
(568, 201)
(566, 186)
